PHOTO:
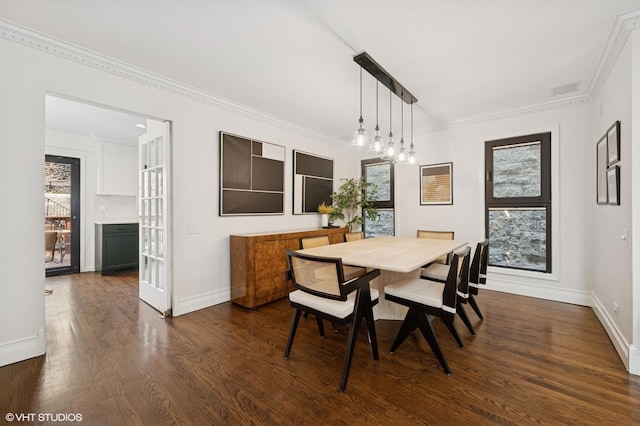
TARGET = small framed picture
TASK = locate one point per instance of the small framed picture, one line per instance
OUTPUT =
(601, 168)
(613, 184)
(436, 184)
(613, 143)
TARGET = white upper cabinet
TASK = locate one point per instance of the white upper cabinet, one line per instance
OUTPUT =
(117, 169)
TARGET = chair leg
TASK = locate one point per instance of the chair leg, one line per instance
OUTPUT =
(452, 329)
(408, 326)
(427, 331)
(371, 327)
(320, 326)
(474, 305)
(351, 341)
(465, 319)
(292, 332)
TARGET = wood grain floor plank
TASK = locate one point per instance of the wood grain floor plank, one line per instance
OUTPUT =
(113, 359)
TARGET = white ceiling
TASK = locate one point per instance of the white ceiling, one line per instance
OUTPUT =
(292, 59)
(107, 125)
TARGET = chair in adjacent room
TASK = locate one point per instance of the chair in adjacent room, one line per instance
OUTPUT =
(50, 240)
(353, 236)
(438, 235)
(429, 299)
(478, 274)
(323, 290)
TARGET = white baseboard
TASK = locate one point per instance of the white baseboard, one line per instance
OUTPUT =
(634, 360)
(19, 350)
(513, 285)
(616, 336)
(194, 303)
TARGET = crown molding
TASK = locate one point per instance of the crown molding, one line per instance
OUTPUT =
(623, 27)
(511, 113)
(45, 43)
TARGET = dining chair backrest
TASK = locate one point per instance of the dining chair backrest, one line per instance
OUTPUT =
(320, 276)
(438, 235)
(354, 236)
(312, 242)
(457, 280)
(478, 272)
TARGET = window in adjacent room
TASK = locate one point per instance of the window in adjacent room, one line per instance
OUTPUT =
(518, 202)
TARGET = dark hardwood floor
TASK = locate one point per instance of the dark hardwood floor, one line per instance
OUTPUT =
(114, 360)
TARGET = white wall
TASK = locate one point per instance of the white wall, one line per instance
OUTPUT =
(201, 261)
(572, 158)
(610, 263)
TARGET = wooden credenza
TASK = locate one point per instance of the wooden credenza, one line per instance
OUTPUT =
(259, 263)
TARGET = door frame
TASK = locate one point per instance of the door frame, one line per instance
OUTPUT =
(76, 209)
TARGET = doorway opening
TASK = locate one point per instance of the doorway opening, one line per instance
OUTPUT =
(124, 180)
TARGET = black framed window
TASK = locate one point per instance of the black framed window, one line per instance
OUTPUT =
(381, 173)
(518, 202)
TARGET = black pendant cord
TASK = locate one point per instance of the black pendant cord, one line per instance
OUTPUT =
(401, 121)
(377, 85)
(361, 120)
(411, 146)
(390, 116)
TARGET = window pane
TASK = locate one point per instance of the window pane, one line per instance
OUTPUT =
(517, 170)
(518, 238)
(383, 226)
(380, 174)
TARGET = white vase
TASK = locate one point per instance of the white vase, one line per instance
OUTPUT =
(325, 220)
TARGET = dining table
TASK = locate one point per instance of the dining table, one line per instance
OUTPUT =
(395, 257)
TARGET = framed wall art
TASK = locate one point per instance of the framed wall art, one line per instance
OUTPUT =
(613, 184)
(613, 143)
(251, 176)
(312, 182)
(601, 173)
(436, 184)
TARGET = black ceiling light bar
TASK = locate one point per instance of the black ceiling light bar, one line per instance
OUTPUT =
(372, 67)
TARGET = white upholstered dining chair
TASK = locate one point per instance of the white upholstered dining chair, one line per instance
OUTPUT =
(323, 290)
(428, 299)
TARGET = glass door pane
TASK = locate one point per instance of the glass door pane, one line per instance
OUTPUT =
(61, 215)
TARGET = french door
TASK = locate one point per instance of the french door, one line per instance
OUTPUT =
(61, 215)
(155, 281)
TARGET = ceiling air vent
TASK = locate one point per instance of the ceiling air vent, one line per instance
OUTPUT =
(567, 88)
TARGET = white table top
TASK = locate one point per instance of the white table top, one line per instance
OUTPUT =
(397, 254)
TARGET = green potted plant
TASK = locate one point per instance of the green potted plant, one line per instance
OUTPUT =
(354, 201)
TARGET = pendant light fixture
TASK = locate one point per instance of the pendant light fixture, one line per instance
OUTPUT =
(377, 145)
(412, 153)
(360, 137)
(390, 150)
(401, 153)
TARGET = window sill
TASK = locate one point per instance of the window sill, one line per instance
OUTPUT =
(521, 273)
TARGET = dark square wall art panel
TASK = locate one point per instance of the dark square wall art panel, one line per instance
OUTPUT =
(312, 182)
(251, 176)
